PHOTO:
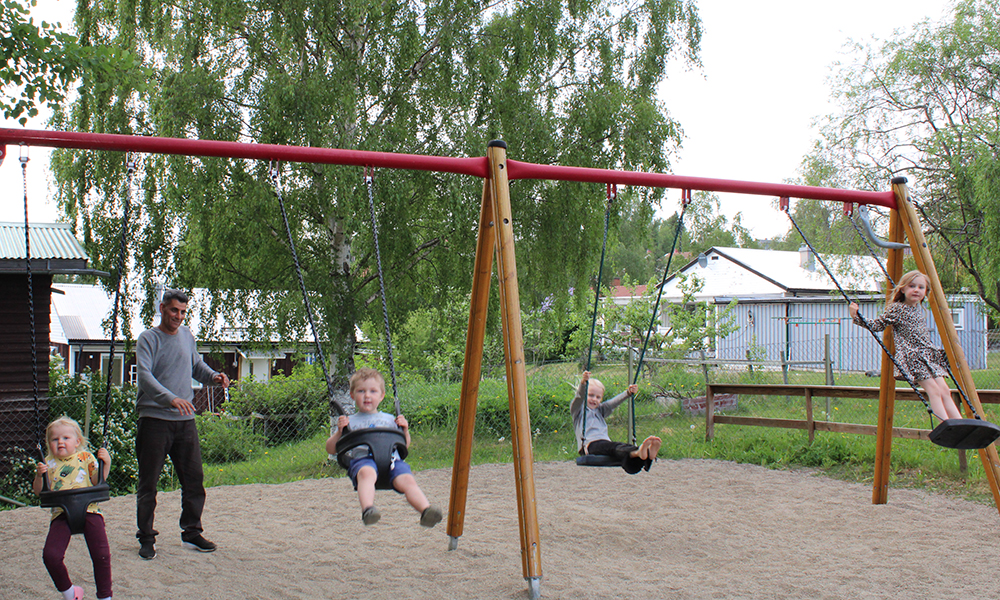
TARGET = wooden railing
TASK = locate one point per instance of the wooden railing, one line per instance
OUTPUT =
(810, 424)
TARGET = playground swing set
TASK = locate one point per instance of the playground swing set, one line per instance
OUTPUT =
(495, 238)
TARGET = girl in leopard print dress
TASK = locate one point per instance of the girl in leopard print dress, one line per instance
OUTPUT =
(919, 360)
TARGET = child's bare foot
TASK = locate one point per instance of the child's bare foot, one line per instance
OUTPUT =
(653, 450)
(643, 451)
(654, 446)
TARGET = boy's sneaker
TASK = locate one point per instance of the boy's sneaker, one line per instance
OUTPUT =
(370, 515)
(147, 550)
(430, 517)
(200, 544)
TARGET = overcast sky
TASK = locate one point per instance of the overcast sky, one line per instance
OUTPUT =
(747, 114)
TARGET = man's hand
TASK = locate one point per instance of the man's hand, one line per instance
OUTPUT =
(222, 379)
(183, 405)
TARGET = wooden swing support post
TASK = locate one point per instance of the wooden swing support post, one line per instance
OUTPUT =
(903, 220)
(496, 237)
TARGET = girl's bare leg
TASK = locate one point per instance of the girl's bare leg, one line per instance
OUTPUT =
(939, 397)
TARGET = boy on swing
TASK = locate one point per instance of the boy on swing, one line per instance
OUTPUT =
(367, 391)
(595, 439)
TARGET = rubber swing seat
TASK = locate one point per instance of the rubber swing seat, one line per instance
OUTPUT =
(965, 434)
(597, 460)
(74, 502)
(381, 442)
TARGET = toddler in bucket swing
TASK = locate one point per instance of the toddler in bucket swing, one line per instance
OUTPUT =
(367, 391)
(919, 360)
(595, 439)
(69, 465)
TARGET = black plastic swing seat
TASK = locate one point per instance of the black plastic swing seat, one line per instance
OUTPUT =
(74, 502)
(381, 442)
(597, 460)
(965, 434)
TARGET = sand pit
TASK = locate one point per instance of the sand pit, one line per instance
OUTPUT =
(688, 529)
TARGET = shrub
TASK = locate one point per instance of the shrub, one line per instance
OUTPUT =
(226, 439)
(293, 407)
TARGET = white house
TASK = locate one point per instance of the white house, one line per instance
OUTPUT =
(80, 332)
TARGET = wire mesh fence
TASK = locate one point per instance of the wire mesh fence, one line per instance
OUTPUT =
(276, 430)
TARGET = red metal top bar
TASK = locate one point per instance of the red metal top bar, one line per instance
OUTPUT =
(160, 145)
(476, 167)
(520, 170)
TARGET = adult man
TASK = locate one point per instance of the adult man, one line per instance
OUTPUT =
(167, 358)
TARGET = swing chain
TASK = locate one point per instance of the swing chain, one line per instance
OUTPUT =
(39, 428)
(369, 177)
(130, 167)
(871, 250)
(275, 171)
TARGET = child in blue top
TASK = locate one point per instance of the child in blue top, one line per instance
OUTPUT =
(595, 439)
(367, 391)
(68, 465)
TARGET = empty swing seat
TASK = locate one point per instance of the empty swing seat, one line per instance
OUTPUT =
(965, 434)
(381, 442)
(74, 502)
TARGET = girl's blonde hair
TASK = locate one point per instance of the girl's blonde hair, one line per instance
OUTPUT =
(64, 421)
(591, 383)
(898, 293)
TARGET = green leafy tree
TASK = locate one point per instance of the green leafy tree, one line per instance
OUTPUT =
(39, 62)
(926, 104)
(705, 226)
(571, 83)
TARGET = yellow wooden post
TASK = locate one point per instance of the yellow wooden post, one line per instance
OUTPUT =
(472, 368)
(517, 385)
(945, 325)
(887, 384)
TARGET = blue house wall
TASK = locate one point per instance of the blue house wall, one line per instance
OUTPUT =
(797, 327)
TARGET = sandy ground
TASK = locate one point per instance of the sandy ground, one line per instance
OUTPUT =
(686, 529)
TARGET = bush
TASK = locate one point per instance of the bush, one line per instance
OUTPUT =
(293, 407)
(226, 439)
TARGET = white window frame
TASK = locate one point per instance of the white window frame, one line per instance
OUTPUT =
(958, 317)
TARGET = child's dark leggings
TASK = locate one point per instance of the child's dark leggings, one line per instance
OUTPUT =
(623, 452)
(97, 542)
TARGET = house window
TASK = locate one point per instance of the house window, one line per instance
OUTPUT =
(116, 373)
(133, 374)
(958, 317)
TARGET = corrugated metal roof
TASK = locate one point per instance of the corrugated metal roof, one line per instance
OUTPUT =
(48, 241)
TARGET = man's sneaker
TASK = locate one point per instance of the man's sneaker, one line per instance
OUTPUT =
(370, 515)
(430, 517)
(200, 544)
(147, 550)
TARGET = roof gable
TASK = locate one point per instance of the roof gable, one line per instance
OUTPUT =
(750, 272)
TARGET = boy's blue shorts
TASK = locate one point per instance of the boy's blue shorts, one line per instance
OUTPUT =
(399, 467)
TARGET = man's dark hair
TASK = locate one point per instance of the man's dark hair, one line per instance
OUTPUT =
(177, 295)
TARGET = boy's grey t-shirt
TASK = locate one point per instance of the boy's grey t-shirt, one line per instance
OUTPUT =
(597, 426)
(366, 421)
(166, 364)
